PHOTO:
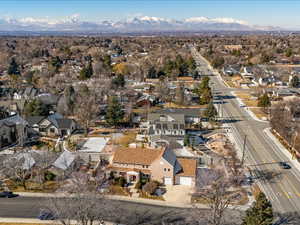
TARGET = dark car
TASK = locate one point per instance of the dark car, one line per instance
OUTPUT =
(8, 194)
(46, 215)
(284, 165)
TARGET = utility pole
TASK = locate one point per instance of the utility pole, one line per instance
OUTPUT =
(244, 149)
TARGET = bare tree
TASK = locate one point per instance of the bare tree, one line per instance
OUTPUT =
(86, 109)
(218, 199)
(18, 166)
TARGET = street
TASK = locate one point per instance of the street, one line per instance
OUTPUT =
(262, 155)
(126, 212)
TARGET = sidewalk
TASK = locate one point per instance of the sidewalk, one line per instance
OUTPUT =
(117, 197)
(283, 150)
(37, 221)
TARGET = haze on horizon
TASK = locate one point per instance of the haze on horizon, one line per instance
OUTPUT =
(279, 13)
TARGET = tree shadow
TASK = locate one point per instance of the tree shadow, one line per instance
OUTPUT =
(292, 218)
(265, 175)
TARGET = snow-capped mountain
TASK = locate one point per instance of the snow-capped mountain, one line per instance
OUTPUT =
(136, 24)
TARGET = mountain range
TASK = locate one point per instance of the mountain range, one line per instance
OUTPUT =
(135, 24)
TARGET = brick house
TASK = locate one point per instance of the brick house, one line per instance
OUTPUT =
(157, 164)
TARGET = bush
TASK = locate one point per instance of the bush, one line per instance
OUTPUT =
(150, 187)
(138, 185)
(49, 176)
(121, 181)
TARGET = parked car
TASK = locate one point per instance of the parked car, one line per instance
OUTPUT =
(8, 194)
(46, 215)
(284, 165)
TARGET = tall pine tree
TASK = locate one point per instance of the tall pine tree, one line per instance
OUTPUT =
(260, 213)
(114, 114)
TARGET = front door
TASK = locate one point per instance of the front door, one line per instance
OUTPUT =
(132, 178)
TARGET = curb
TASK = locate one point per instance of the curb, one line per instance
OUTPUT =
(248, 110)
(283, 149)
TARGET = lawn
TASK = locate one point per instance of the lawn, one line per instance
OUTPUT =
(126, 139)
(259, 113)
(247, 99)
(117, 190)
(48, 187)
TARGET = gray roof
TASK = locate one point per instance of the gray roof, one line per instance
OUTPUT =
(34, 119)
(170, 157)
(64, 160)
(64, 123)
(156, 117)
(13, 120)
(185, 111)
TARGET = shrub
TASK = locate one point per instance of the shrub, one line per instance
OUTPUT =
(49, 176)
(138, 185)
(122, 181)
(150, 187)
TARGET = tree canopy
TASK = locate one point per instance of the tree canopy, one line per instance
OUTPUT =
(115, 112)
(13, 68)
(260, 213)
(264, 101)
(36, 108)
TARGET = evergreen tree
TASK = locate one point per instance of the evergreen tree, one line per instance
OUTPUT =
(294, 81)
(118, 81)
(211, 111)
(264, 101)
(179, 95)
(152, 73)
(114, 114)
(86, 72)
(206, 96)
(260, 213)
(13, 68)
(36, 108)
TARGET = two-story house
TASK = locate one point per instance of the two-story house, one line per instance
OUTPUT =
(157, 164)
(52, 125)
(13, 130)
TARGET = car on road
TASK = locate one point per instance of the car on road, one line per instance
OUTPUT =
(46, 215)
(8, 194)
(284, 165)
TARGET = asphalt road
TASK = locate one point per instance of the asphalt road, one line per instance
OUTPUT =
(127, 212)
(262, 155)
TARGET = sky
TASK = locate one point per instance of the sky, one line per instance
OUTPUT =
(283, 13)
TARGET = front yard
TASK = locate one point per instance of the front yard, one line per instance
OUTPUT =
(47, 187)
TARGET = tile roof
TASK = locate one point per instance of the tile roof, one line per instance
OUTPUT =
(188, 167)
(141, 156)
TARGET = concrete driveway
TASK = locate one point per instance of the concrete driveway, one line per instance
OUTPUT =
(178, 194)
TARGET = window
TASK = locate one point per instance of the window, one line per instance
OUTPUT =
(165, 169)
(158, 126)
(52, 130)
(175, 126)
(169, 170)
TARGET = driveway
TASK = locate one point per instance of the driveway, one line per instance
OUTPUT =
(178, 194)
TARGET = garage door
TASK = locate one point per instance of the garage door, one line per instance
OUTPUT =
(185, 181)
(168, 181)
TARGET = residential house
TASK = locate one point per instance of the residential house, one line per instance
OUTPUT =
(247, 73)
(27, 93)
(157, 164)
(52, 125)
(13, 130)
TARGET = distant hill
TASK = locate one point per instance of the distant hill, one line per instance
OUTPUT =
(137, 24)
